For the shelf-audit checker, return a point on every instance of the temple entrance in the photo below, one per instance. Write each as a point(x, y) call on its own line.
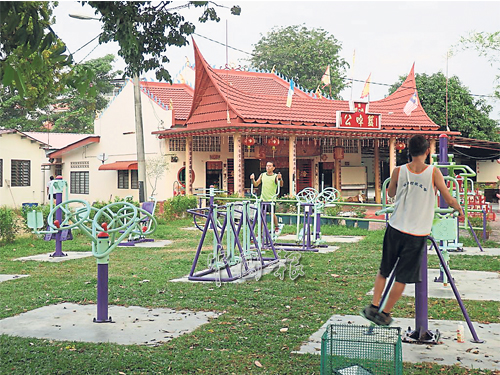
point(325, 175)
point(213, 175)
point(304, 176)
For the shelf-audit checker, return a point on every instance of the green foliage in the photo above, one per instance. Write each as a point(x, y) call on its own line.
point(286, 207)
point(8, 228)
point(34, 110)
point(44, 209)
point(175, 208)
point(302, 54)
point(145, 31)
point(465, 113)
point(30, 48)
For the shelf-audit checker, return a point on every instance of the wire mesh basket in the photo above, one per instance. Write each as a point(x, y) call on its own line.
point(348, 349)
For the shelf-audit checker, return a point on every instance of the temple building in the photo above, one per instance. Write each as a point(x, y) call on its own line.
point(239, 120)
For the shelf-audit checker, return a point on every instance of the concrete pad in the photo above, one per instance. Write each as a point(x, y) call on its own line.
point(329, 249)
point(236, 270)
point(476, 251)
point(11, 277)
point(48, 258)
point(329, 239)
point(472, 285)
point(448, 352)
point(155, 243)
point(190, 228)
point(133, 325)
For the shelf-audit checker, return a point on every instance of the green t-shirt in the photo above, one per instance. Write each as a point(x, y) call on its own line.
point(269, 186)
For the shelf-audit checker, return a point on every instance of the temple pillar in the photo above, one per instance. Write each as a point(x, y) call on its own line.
point(292, 164)
point(238, 165)
point(189, 165)
point(376, 169)
point(392, 154)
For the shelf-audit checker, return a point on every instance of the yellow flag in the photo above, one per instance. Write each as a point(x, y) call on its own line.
point(366, 89)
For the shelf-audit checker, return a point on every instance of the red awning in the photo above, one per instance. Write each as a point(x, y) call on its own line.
point(119, 166)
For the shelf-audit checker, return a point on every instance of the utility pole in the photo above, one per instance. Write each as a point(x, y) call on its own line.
point(139, 138)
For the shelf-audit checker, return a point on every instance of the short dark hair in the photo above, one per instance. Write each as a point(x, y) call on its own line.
point(272, 162)
point(418, 145)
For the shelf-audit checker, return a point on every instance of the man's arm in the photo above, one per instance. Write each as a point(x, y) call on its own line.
point(279, 178)
point(445, 193)
point(256, 182)
point(393, 184)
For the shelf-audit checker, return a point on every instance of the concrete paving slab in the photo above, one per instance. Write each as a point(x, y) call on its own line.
point(48, 258)
point(133, 325)
point(190, 228)
point(472, 285)
point(476, 251)
point(11, 277)
point(329, 239)
point(449, 352)
point(156, 243)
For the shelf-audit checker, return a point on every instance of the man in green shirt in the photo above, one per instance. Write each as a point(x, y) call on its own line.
point(269, 182)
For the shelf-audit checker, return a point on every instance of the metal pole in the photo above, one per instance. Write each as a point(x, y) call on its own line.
point(139, 136)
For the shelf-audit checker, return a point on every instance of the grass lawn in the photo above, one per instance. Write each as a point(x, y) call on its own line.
point(245, 339)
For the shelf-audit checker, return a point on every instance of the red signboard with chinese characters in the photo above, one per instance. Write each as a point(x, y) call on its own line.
point(358, 120)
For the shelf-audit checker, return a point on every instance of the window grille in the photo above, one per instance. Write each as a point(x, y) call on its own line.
point(350, 146)
point(122, 179)
point(327, 149)
point(79, 183)
point(206, 143)
point(231, 143)
point(79, 165)
point(58, 170)
point(134, 179)
point(20, 173)
point(177, 144)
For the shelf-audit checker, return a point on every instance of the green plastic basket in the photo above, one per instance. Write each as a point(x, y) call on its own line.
point(348, 349)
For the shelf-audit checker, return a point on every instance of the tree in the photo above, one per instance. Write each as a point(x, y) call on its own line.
point(78, 112)
point(143, 31)
point(488, 45)
point(303, 55)
point(466, 114)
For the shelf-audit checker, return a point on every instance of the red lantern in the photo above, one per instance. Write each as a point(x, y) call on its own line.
point(400, 146)
point(249, 142)
point(273, 142)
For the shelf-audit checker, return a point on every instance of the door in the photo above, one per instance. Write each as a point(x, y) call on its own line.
point(304, 174)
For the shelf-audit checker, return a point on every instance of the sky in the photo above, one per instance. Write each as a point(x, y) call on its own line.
point(388, 37)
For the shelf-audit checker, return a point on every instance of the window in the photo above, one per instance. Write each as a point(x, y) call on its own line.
point(122, 179)
point(350, 146)
point(79, 165)
point(177, 144)
point(206, 143)
point(134, 177)
point(1, 172)
point(79, 183)
point(20, 173)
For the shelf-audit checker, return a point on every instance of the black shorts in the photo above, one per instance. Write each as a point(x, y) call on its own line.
point(409, 249)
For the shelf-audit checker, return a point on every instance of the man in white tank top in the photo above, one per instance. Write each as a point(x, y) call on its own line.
point(414, 185)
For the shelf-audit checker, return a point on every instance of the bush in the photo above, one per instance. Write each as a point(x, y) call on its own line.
point(44, 209)
point(100, 204)
point(175, 208)
point(287, 207)
point(8, 229)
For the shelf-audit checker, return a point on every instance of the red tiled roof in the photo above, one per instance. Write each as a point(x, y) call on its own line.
point(259, 99)
point(180, 93)
point(57, 140)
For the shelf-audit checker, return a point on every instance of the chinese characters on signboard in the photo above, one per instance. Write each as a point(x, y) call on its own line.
point(358, 120)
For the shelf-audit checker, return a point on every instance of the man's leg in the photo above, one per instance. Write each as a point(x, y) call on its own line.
point(394, 296)
point(378, 289)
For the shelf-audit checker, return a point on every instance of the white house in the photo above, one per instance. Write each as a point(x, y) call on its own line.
point(22, 175)
point(104, 165)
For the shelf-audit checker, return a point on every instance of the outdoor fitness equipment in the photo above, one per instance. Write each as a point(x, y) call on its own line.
point(312, 204)
point(120, 217)
point(142, 225)
point(56, 189)
point(448, 167)
point(421, 333)
point(238, 220)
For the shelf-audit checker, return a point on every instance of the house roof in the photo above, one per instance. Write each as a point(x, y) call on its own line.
point(73, 146)
point(22, 134)
point(162, 92)
point(257, 101)
point(57, 140)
